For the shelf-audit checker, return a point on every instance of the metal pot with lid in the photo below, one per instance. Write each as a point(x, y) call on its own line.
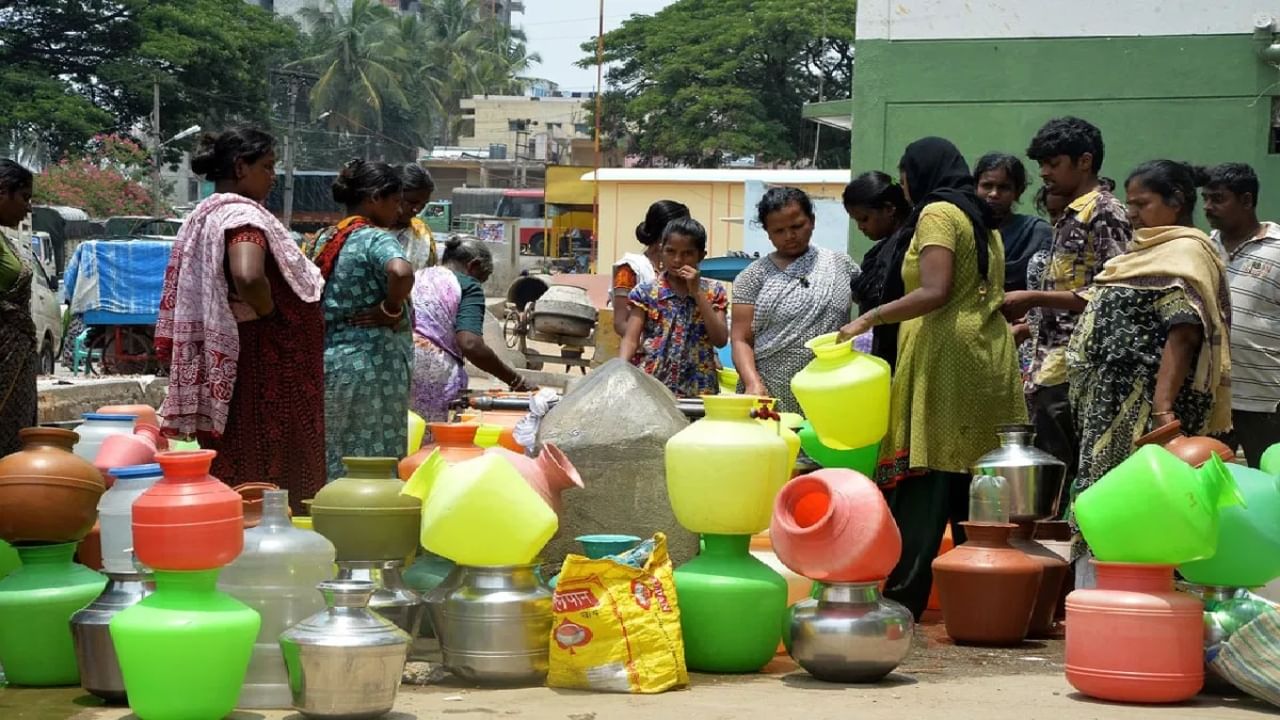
point(1034, 477)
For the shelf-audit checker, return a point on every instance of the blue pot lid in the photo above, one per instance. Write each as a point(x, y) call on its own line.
point(107, 417)
point(135, 471)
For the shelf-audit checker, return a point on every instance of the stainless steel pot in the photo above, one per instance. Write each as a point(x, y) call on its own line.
point(95, 653)
point(849, 633)
point(1034, 477)
point(493, 624)
point(392, 597)
point(345, 662)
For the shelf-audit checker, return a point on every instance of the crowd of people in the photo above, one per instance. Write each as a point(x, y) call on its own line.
point(1107, 321)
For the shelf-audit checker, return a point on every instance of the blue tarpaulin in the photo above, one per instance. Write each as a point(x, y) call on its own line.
point(121, 277)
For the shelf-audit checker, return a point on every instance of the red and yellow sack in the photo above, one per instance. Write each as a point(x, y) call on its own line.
point(617, 627)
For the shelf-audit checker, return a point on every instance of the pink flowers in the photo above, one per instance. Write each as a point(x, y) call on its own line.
point(105, 181)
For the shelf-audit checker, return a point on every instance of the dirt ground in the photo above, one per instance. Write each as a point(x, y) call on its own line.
point(938, 680)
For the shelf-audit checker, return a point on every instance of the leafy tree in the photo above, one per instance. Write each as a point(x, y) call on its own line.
point(702, 80)
point(74, 68)
point(106, 180)
point(399, 81)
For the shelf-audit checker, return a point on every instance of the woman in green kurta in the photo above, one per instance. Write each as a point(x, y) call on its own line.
point(957, 372)
point(368, 348)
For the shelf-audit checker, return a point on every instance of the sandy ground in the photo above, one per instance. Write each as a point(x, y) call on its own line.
point(938, 680)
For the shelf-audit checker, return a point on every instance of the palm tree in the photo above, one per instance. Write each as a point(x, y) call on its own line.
point(357, 57)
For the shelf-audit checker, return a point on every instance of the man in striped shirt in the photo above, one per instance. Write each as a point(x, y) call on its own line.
point(1253, 263)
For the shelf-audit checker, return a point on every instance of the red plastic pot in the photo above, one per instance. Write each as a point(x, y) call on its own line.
point(834, 526)
point(189, 520)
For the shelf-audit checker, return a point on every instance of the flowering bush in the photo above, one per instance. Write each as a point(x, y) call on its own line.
point(106, 180)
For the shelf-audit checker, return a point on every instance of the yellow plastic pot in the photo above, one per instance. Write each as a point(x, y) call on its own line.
point(480, 511)
point(417, 429)
point(728, 378)
point(724, 470)
point(844, 394)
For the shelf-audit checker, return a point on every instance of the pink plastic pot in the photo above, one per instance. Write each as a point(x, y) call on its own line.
point(549, 474)
point(124, 450)
point(834, 526)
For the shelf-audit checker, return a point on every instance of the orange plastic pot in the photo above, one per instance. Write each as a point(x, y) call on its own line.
point(947, 544)
point(834, 526)
point(507, 419)
point(456, 442)
point(1134, 638)
point(189, 520)
point(143, 413)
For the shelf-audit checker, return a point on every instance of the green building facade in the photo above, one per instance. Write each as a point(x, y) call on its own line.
point(1183, 80)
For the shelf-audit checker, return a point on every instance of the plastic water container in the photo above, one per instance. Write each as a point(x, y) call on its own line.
point(276, 575)
point(988, 499)
point(115, 514)
point(96, 428)
point(1155, 508)
point(480, 511)
point(835, 384)
point(417, 429)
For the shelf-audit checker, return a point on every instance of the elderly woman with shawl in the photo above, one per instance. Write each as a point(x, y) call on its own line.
point(956, 377)
point(1152, 344)
point(448, 328)
point(241, 326)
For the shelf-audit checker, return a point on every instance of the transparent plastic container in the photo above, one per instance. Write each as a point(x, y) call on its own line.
point(115, 514)
point(276, 575)
point(989, 499)
point(98, 427)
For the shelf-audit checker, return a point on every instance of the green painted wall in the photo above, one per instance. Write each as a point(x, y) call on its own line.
point(1204, 99)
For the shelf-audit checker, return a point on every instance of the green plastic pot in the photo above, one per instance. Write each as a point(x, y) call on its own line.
point(731, 607)
point(1248, 553)
point(184, 649)
point(1153, 508)
point(427, 571)
point(1270, 461)
point(37, 601)
point(862, 460)
point(8, 559)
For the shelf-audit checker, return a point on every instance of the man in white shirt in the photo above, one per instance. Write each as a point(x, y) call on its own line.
point(1253, 263)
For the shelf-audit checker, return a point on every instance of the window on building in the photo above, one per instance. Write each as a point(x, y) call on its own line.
point(554, 125)
point(1274, 148)
point(517, 125)
point(582, 128)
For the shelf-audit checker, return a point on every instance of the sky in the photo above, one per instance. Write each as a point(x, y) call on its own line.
point(557, 28)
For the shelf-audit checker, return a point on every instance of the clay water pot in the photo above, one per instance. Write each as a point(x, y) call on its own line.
point(549, 474)
point(1191, 449)
point(119, 451)
point(988, 587)
point(144, 413)
point(1055, 536)
point(251, 494)
point(47, 493)
point(89, 551)
point(189, 520)
point(834, 526)
point(456, 442)
point(1055, 574)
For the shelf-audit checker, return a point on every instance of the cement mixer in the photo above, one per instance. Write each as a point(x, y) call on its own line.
point(560, 315)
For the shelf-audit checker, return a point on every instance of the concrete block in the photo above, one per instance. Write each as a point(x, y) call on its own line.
point(614, 426)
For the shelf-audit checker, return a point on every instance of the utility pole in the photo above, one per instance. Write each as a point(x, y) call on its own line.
point(289, 153)
point(156, 148)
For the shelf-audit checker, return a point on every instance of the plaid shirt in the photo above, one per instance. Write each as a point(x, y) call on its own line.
point(1094, 229)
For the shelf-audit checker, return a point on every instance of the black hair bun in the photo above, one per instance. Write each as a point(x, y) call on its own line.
point(205, 160)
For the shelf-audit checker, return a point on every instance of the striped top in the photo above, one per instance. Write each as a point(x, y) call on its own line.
point(1254, 269)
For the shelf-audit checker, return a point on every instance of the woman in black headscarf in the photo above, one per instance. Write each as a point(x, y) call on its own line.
point(957, 371)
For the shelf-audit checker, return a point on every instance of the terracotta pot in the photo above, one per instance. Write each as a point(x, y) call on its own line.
point(834, 526)
point(89, 551)
point(48, 494)
point(189, 520)
point(1191, 449)
point(144, 413)
point(1055, 574)
point(456, 441)
point(119, 451)
point(1055, 535)
point(549, 474)
point(251, 495)
point(988, 588)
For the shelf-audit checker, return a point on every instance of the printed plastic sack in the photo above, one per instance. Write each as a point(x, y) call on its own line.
point(617, 623)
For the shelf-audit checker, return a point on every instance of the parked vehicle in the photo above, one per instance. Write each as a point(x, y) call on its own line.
point(46, 307)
